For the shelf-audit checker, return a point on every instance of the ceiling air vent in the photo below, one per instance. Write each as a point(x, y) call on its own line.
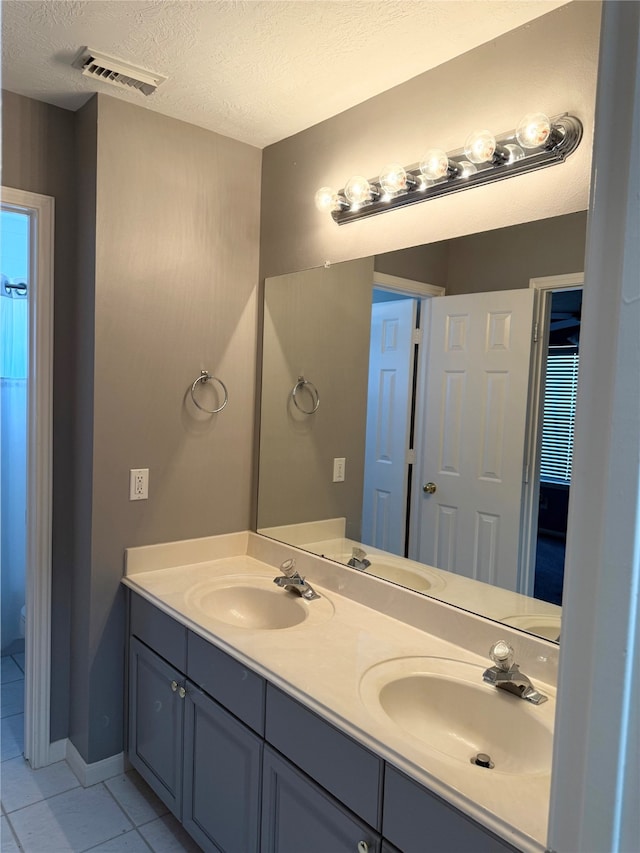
point(109, 69)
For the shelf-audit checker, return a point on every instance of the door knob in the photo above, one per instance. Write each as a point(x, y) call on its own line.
point(429, 488)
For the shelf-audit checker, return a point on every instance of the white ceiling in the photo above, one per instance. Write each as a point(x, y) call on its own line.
point(254, 70)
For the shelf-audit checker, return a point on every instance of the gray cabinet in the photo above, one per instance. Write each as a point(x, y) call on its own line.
point(156, 715)
point(344, 767)
point(222, 768)
point(246, 768)
point(415, 820)
point(299, 815)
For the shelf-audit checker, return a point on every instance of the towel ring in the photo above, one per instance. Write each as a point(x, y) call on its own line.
point(302, 383)
point(205, 376)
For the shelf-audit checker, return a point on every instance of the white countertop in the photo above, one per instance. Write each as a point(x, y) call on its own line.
point(322, 661)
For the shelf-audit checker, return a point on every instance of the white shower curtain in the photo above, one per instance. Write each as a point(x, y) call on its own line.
point(14, 318)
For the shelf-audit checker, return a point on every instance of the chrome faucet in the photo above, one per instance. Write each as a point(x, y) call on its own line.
point(507, 676)
point(358, 560)
point(292, 581)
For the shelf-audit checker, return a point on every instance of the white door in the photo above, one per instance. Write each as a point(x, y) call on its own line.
point(474, 444)
point(386, 467)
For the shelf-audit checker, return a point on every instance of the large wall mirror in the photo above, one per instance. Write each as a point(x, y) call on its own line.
point(417, 416)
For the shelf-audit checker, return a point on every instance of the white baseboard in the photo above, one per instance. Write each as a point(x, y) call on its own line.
point(57, 751)
point(98, 771)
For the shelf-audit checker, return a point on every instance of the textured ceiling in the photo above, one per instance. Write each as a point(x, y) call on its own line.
point(254, 70)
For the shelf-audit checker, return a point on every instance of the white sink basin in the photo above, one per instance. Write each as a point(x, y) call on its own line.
point(421, 579)
point(444, 706)
point(255, 603)
point(544, 625)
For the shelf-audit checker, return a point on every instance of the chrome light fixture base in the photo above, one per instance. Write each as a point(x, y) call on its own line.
point(564, 138)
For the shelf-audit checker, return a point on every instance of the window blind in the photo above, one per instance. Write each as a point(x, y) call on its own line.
point(559, 415)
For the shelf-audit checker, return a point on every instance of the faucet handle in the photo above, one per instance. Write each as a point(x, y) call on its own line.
point(288, 568)
point(358, 553)
point(501, 653)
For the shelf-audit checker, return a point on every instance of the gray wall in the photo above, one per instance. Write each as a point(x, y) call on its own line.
point(316, 324)
point(176, 272)
point(86, 187)
point(550, 64)
point(508, 258)
point(167, 266)
point(428, 263)
point(503, 259)
point(38, 157)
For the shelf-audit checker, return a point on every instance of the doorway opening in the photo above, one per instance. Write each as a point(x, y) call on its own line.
point(398, 314)
point(556, 451)
point(395, 317)
point(14, 367)
point(26, 349)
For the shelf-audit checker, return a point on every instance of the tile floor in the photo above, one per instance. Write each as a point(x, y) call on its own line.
point(47, 810)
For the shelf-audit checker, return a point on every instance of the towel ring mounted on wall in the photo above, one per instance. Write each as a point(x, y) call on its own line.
point(313, 391)
point(205, 376)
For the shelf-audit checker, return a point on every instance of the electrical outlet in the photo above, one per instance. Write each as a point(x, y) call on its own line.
point(339, 465)
point(138, 484)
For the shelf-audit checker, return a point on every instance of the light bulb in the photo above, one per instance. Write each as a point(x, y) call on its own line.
point(533, 130)
point(466, 169)
point(435, 164)
point(327, 199)
point(480, 146)
point(358, 190)
point(515, 152)
point(393, 178)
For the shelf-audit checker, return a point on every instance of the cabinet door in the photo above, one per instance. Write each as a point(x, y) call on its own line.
point(156, 713)
point(222, 777)
point(297, 815)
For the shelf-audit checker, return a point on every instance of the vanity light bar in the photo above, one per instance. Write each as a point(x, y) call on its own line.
point(537, 142)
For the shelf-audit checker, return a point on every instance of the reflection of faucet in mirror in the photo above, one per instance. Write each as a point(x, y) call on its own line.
point(293, 582)
point(507, 676)
point(464, 424)
point(358, 560)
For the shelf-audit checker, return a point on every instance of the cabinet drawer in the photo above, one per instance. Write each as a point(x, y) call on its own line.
point(345, 768)
point(297, 815)
point(418, 821)
point(162, 633)
point(229, 682)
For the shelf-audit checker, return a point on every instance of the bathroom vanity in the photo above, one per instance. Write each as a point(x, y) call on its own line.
point(255, 715)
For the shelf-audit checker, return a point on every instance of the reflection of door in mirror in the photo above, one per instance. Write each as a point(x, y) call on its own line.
point(389, 411)
point(473, 435)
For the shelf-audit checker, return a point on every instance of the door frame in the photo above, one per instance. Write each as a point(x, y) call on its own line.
point(37, 729)
point(423, 292)
point(544, 287)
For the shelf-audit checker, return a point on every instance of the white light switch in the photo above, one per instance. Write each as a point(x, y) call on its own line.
point(339, 465)
point(138, 484)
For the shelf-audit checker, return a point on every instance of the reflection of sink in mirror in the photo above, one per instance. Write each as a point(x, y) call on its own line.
point(541, 624)
point(445, 706)
point(254, 603)
point(421, 579)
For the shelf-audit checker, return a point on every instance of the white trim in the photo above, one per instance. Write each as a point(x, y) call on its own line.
point(531, 495)
point(595, 784)
point(98, 771)
point(558, 282)
point(39, 469)
point(406, 285)
point(57, 751)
